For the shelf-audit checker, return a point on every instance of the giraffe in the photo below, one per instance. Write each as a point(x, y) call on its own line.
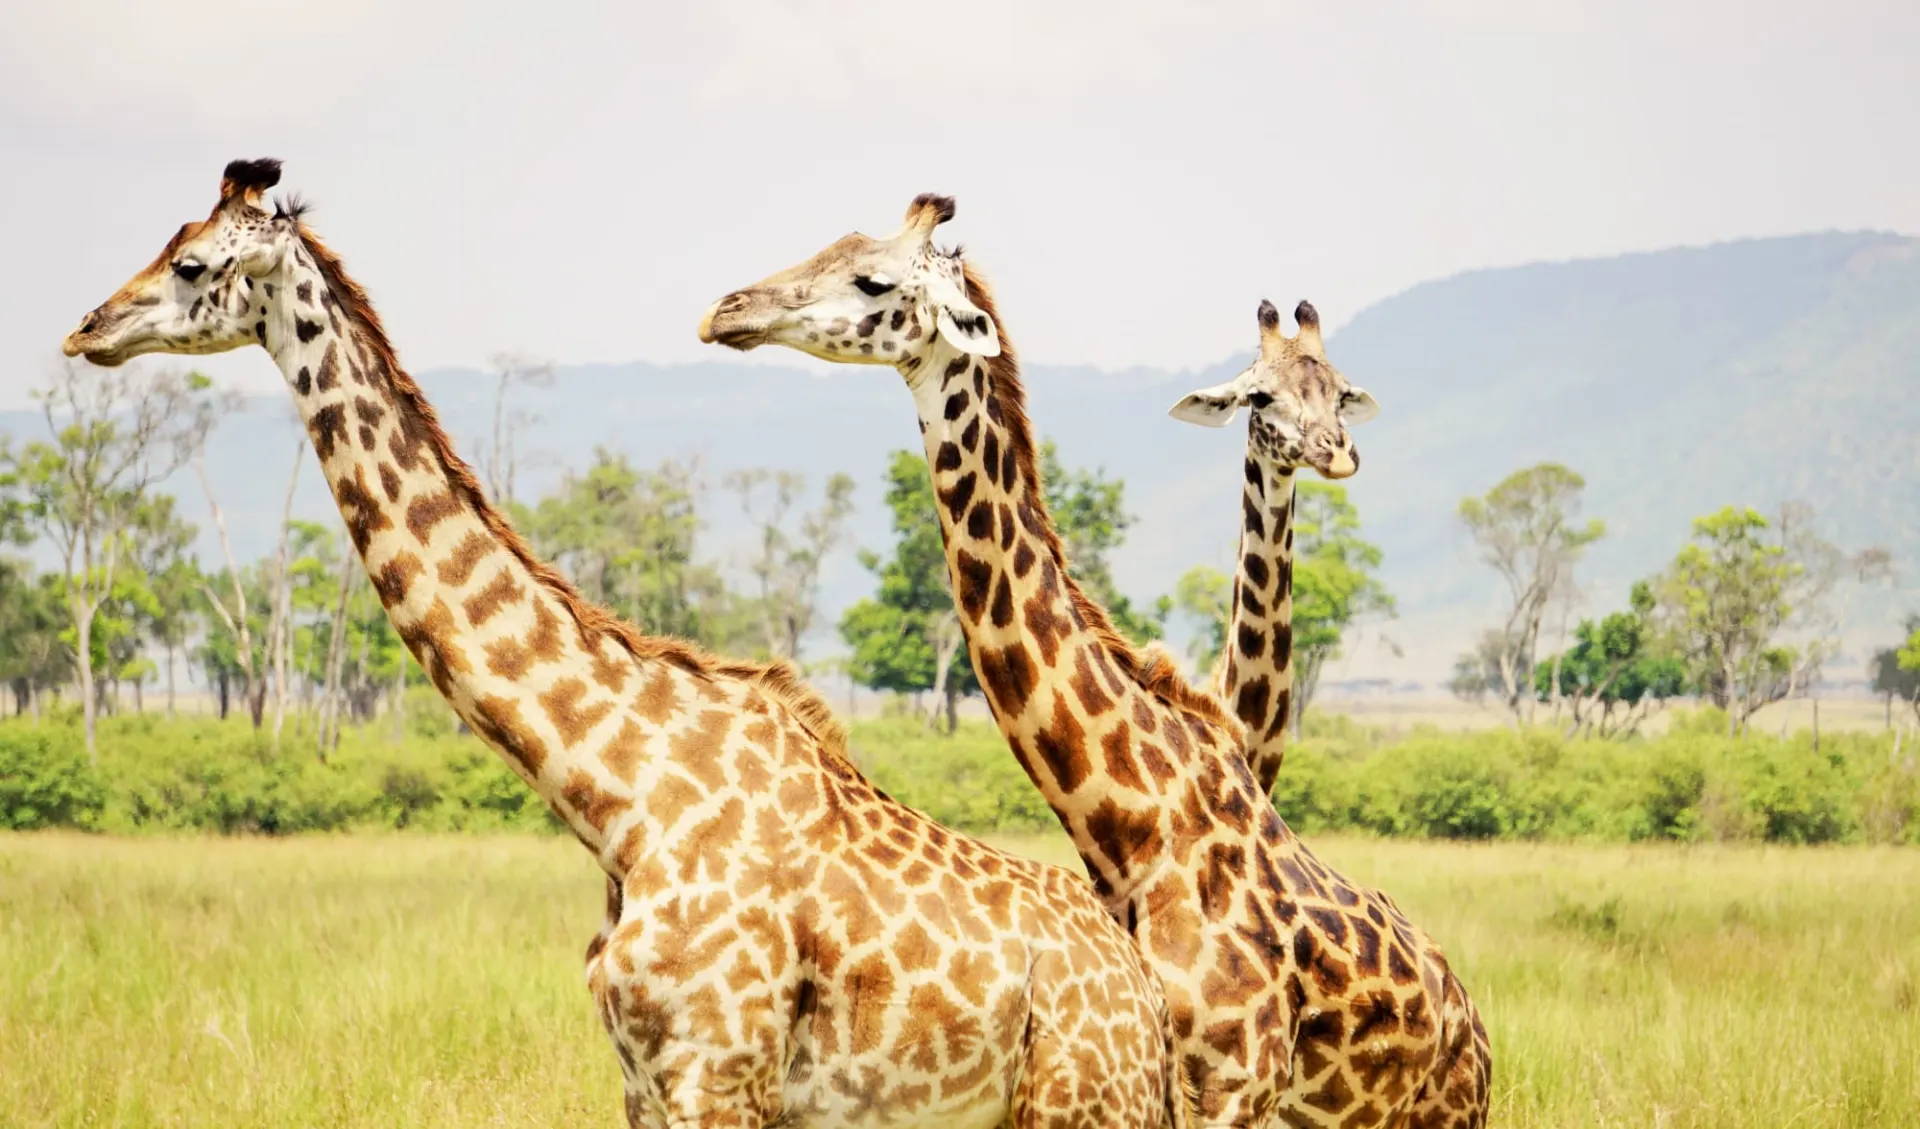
point(784, 944)
point(1301, 406)
point(1298, 997)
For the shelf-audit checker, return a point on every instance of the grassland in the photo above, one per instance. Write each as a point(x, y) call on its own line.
point(425, 980)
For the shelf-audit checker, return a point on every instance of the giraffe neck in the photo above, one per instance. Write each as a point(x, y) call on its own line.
point(1121, 748)
point(1256, 677)
point(570, 703)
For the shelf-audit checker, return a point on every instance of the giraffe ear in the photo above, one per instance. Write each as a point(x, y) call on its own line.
point(962, 324)
point(1211, 407)
point(1358, 406)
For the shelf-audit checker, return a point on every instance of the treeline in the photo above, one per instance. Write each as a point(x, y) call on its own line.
point(1692, 783)
point(1748, 613)
point(297, 642)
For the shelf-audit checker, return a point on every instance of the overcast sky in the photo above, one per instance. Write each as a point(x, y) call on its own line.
point(580, 180)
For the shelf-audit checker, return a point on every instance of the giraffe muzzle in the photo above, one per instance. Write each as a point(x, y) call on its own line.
point(724, 324)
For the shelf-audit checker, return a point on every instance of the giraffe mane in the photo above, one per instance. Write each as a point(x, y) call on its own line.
point(1151, 667)
point(780, 679)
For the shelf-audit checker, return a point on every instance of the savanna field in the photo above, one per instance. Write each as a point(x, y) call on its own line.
point(155, 973)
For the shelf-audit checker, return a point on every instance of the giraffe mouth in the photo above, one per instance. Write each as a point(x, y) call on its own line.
point(742, 338)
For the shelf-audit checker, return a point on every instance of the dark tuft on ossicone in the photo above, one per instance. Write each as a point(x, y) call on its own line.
point(943, 203)
point(291, 207)
point(1269, 315)
point(1305, 314)
point(258, 175)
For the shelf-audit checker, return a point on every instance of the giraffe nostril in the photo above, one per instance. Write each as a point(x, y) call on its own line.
point(91, 322)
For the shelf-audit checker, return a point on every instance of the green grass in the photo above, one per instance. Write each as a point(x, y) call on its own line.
point(427, 980)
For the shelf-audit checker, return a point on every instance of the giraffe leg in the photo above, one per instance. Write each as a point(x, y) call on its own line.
point(1456, 1096)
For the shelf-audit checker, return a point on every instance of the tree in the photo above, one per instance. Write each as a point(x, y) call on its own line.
point(1528, 529)
point(1613, 676)
point(906, 637)
point(501, 457)
point(1334, 583)
point(162, 544)
point(1819, 593)
point(1090, 512)
point(32, 657)
point(114, 433)
point(1204, 596)
point(1721, 605)
point(627, 537)
point(786, 565)
point(1896, 672)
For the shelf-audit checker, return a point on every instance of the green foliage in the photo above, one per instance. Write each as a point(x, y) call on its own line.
point(892, 633)
point(966, 780)
point(1090, 512)
point(1691, 784)
point(1204, 595)
point(1612, 676)
point(626, 536)
point(1528, 530)
point(1334, 581)
point(1721, 605)
point(897, 634)
point(223, 777)
point(45, 780)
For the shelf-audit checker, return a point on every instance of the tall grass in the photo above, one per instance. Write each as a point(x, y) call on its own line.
point(436, 980)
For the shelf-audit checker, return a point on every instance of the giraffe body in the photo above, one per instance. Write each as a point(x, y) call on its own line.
point(1299, 998)
point(784, 944)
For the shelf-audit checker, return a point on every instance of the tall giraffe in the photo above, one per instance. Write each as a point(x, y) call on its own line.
point(1301, 406)
point(784, 944)
point(1297, 995)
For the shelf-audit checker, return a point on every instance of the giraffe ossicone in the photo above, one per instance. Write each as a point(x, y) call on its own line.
point(784, 944)
point(1298, 997)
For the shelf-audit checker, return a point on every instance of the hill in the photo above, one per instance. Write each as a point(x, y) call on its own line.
point(1677, 381)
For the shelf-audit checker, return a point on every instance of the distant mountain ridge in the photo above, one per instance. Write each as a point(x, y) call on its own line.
point(1677, 381)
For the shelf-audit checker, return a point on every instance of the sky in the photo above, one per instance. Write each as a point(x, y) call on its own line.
point(580, 180)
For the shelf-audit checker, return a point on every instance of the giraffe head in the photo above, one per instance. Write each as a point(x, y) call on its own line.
point(1301, 404)
point(864, 300)
point(206, 291)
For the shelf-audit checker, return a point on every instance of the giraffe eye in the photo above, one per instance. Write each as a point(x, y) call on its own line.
point(1259, 400)
point(189, 270)
point(870, 286)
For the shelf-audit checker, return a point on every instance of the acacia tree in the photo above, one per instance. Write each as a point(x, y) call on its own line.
point(1528, 528)
point(1819, 594)
point(1721, 606)
point(114, 433)
point(785, 564)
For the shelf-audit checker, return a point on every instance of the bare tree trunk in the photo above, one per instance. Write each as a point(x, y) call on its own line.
point(169, 679)
point(336, 658)
point(83, 664)
point(946, 641)
point(236, 622)
point(282, 596)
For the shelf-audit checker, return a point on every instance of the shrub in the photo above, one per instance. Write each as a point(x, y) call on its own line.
point(45, 780)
